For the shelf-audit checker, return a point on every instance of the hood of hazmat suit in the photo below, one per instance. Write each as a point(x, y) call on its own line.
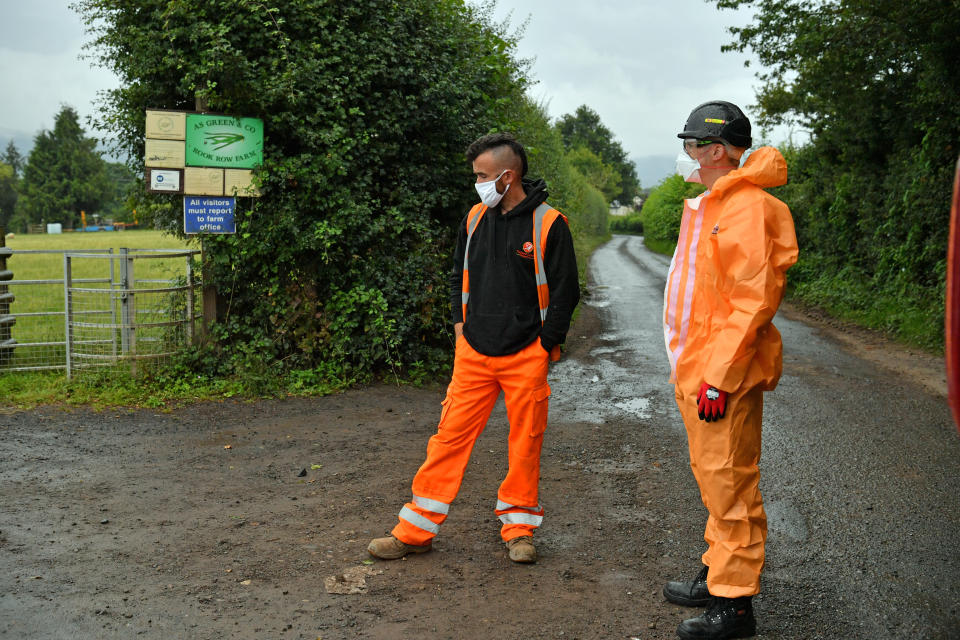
point(727, 278)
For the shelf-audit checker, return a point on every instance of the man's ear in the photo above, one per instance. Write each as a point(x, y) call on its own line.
point(720, 155)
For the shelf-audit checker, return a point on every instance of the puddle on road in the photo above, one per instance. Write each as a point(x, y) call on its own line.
point(598, 297)
point(602, 391)
point(639, 407)
point(598, 303)
point(603, 350)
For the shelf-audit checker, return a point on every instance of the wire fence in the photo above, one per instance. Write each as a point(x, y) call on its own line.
point(127, 311)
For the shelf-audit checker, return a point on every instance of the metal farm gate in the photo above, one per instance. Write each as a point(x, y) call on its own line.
point(126, 311)
point(35, 336)
point(133, 321)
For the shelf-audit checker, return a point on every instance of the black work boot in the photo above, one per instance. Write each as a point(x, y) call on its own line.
point(689, 594)
point(724, 618)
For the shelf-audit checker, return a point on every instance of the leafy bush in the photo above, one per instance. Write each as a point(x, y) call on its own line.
point(882, 266)
point(663, 210)
point(588, 216)
point(630, 223)
point(599, 174)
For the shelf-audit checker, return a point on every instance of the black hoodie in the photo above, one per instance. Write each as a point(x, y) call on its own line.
point(503, 315)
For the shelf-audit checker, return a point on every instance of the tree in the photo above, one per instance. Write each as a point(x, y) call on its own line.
point(568, 190)
point(8, 194)
point(599, 174)
point(11, 163)
point(873, 82)
point(122, 182)
point(583, 128)
point(12, 157)
point(64, 175)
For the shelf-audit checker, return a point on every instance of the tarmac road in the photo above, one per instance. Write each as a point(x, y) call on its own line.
point(860, 468)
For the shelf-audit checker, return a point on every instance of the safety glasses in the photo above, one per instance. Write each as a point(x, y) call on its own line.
point(689, 144)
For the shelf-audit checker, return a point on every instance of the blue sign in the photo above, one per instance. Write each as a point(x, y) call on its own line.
point(208, 214)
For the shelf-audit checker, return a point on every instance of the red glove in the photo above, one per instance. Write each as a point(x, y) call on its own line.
point(711, 402)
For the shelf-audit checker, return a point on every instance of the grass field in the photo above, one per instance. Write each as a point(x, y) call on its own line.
point(49, 298)
point(135, 239)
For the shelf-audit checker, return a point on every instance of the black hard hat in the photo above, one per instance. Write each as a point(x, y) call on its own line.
point(718, 119)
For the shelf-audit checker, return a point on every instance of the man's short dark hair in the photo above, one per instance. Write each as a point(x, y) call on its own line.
point(494, 141)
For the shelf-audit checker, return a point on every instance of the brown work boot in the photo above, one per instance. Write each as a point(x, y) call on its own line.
point(522, 550)
point(390, 548)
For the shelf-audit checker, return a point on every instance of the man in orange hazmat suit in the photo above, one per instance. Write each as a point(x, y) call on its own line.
point(726, 280)
point(514, 286)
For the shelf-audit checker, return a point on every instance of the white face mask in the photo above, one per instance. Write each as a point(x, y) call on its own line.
point(488, 191)
point(688, 168)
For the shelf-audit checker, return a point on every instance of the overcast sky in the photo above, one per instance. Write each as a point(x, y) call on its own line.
point(641, 64)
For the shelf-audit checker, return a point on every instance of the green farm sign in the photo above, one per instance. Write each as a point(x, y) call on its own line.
point(222, 141)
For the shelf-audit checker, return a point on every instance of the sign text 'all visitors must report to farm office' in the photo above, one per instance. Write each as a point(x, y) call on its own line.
point(208, 215)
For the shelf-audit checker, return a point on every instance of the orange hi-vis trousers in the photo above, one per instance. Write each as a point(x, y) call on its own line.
point(724, 456)
point(476, 385)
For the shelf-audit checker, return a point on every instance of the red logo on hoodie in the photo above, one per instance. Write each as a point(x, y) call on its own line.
point(527, 251)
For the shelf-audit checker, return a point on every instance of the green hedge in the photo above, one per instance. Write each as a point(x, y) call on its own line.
point(873, 248)
point(630, 223)
point(662, 211)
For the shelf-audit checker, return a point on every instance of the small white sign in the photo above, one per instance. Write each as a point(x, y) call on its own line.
point(54, 227)
point(162, 180)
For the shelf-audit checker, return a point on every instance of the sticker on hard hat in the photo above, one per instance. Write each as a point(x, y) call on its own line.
point(715, 121)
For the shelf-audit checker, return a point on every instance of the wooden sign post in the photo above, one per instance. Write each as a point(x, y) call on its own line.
point(208, 159)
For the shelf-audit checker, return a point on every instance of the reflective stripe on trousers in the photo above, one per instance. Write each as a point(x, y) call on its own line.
point(516, 514)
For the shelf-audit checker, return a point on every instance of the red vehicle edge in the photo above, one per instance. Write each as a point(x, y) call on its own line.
point(953, 304)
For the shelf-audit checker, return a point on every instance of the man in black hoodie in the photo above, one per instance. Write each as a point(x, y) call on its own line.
point(513, 289)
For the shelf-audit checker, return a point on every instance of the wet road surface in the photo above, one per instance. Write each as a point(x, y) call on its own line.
point(860, 469)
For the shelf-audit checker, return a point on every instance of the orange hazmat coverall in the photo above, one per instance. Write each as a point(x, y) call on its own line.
point(726, 280)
